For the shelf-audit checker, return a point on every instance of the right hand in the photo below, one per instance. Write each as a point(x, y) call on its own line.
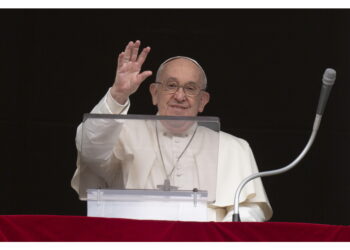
point(128, 77)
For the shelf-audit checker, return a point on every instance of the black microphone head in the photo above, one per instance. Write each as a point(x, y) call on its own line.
point(329, 76)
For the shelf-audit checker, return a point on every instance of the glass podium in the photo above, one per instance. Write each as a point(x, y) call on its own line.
point(147, 166)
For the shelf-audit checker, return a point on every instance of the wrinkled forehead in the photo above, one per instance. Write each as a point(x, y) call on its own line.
point(178, 66)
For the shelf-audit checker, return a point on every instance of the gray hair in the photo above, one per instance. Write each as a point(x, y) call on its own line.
point(161, 67)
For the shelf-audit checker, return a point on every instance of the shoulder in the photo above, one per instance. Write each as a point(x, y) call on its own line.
point(226, 140)
point(231, 141)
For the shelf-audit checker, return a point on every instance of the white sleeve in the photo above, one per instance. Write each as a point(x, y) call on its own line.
point(110, 106)
point(100, 131)
point(100, 134)
point(98, 137)
point(248, 213)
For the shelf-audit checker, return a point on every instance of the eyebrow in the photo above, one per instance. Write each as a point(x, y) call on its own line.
point(175, 79)
point(172, 79)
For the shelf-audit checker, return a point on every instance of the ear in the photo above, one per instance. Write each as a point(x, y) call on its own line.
point(153, 89)
point(204, 99)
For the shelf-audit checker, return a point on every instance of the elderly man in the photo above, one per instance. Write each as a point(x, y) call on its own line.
point(179, 90)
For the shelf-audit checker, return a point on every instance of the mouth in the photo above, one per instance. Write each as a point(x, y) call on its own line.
point(178, 107)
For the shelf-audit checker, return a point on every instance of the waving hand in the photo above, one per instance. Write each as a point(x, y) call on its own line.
point(129, 76)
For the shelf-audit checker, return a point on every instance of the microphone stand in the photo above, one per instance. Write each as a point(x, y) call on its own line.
point(328, 81)
point(235, 216)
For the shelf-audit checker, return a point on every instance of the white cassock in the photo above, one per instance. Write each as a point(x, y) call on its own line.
point(116, 170)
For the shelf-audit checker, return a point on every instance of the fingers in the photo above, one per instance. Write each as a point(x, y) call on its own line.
point(144, 75)
point(128, 51)
point(135, 51)
point(130, 54)
point(120, 60)
point(131, 51)
point(143, 55)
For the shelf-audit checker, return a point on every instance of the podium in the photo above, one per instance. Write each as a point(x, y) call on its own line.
point(147, 167)
point(148, 204)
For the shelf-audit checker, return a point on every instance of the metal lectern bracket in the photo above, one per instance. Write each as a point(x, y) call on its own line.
point(99, 197)
point(195, 194)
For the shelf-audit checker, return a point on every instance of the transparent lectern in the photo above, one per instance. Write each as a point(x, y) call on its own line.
point(148, 167)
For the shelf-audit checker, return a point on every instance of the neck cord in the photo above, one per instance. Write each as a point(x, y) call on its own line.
point(178, 159)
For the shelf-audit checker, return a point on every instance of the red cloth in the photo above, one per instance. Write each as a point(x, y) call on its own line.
point(76, 228)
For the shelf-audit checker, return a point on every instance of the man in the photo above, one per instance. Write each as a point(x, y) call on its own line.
point(179, 90)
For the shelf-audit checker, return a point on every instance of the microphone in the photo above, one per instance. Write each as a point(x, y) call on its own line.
point(328, 82)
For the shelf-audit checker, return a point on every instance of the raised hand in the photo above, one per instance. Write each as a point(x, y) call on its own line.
point(128, 77)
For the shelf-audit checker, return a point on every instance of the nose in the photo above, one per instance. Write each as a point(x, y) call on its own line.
point(180, 95)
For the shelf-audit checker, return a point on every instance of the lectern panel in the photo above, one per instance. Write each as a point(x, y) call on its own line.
point(166, 153)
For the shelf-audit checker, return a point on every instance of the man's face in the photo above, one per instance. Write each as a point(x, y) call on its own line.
point(180, 71)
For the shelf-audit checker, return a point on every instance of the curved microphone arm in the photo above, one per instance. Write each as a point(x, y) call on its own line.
point(328, 80)
point(317, 122)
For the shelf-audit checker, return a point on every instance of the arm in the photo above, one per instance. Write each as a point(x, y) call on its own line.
point(128, 79)
point(98, 135)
